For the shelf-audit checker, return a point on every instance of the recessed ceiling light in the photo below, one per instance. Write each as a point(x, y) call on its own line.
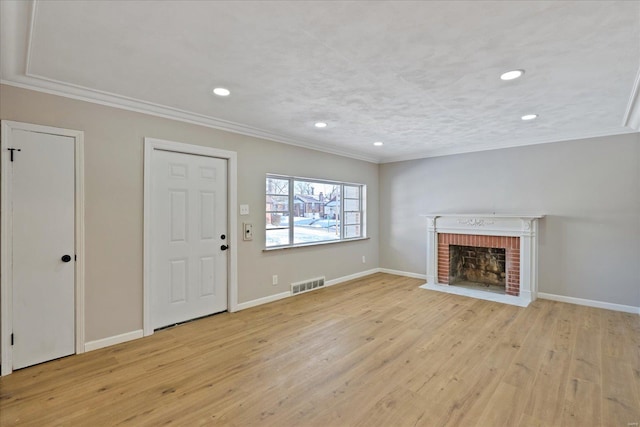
point(220, 91)
point(529, 117)
point(378, 144)
point(320, 125)
point(511, 75)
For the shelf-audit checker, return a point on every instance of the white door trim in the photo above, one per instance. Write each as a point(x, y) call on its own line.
point(151, 144)
point(6, 237)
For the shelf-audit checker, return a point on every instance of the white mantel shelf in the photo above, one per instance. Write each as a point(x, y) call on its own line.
point(482, 215)
point(524, 226)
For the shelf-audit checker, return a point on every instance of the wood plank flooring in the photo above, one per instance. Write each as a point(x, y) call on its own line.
point(377, 351)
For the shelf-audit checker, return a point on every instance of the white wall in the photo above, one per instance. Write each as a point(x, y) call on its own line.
point(588, 189)
point(114, 204)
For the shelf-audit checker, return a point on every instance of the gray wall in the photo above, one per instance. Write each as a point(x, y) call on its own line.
point(114, 203)
point(588, 189)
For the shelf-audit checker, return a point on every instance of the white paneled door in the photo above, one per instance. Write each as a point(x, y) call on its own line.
point(42, 177)
point(188, 250)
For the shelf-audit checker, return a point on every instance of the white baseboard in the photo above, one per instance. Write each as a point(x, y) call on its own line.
point(128, 336)
point(263, 300)
point(403, 273)
point(590, 303)
point(276, 297)
point(116, 339)
point(351, 277)
point(553, 297)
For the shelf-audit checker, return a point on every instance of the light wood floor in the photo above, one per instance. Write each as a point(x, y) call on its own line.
point(377, 351)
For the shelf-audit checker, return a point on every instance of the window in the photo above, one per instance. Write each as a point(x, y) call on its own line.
point(302, 211)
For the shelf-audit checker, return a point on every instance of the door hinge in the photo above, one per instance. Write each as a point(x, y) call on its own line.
point(12, 150)
point(75, 257)
point(11, 338)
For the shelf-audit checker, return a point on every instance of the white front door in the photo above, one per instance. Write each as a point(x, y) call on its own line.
point(188, 237)
point(43, 219)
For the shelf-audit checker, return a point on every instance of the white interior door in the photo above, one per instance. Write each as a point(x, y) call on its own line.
point(43, 219)
point(189, 237)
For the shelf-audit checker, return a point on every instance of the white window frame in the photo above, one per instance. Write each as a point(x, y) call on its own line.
point(291, 195)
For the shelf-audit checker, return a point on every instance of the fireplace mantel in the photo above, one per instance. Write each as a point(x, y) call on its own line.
point(524, 226)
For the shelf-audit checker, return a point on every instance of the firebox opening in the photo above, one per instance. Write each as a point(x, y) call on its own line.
point(477, 267)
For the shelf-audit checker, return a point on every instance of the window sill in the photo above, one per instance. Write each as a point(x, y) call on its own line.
point(307, 245)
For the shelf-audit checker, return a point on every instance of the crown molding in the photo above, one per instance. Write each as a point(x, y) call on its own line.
point(52, 87)
point(489, 147)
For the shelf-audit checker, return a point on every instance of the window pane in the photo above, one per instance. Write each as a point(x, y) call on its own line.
point(316, 209)
point(278, 203)
point(277, 237)
point(277, 219)
point(351, 231)
point(351, 205)
point(277, 186)
point(332, 209)
point(351, 218)
point(351, 192)
point(315, 230)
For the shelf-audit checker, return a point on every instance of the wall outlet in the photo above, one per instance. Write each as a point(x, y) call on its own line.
point(244, 209)
point(274, 280)
point(364, 260)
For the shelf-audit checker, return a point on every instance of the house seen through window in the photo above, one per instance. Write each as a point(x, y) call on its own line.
point(301, 211)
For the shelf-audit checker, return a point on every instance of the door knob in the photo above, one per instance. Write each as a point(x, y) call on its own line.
point(66, 258)
point(224, 247)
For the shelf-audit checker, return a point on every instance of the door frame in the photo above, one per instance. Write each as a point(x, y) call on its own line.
point(6, 236)
point(151, 144)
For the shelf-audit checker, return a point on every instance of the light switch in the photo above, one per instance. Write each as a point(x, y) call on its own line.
point(244, 209)
point(248, 231)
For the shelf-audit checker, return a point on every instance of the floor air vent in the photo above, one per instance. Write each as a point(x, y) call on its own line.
point(307, 285)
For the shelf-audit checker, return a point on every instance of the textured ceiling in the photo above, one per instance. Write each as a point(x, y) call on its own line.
point(423, 77)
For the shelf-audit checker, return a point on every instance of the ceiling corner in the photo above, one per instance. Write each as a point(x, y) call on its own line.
point(632, 114)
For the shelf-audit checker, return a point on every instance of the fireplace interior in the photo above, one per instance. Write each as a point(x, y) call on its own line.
point(472, 266)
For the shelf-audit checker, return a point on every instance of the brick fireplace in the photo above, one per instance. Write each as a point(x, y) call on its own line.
point(498, 250)
point(511, 246)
